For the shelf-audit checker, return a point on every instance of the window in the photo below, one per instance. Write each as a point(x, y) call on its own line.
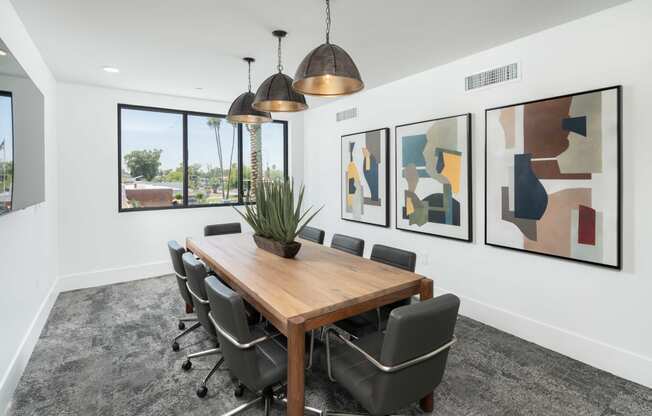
point(213, 156)
point(182, 159)
point(268, 160)
point(6, 152)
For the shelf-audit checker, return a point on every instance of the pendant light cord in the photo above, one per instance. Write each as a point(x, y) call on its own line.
point(249, 76)
point(280, 65)
point(328, 21)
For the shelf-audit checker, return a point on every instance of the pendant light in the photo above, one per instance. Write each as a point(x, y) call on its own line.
point(328, 70)
point(241, 110)
point(276, 92)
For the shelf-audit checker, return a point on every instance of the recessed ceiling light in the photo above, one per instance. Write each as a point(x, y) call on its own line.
point(199, 88)
point(111, 69)
point(3, 53)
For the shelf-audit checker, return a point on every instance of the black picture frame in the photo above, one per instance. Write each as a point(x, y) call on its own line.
point(185, 114)
point(469, 145)
point(618, 265)
point(387, 173)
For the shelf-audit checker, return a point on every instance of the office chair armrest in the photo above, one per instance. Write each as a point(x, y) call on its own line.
point(237, 343)
point(198, 298)
point(376, 363)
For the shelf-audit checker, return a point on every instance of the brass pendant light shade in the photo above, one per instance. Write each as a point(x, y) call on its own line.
point(328, 70)
point(276, 93)
point(241, 110)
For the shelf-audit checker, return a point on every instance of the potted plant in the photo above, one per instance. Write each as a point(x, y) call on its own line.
point(275, 219)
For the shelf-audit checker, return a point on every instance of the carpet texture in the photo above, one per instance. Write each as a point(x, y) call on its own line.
point(106, 351)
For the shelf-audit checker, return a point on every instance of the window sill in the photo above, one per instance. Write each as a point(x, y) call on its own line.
point(173, 208)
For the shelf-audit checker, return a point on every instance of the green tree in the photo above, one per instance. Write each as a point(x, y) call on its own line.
point(175, 175)
point(233, 179)
point(145, 163)
point(215, 123)
point(6, 176)
point(194, 175)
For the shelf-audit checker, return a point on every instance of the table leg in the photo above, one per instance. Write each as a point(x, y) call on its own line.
point(189, 308)
point(296, 366)
point(426, 403)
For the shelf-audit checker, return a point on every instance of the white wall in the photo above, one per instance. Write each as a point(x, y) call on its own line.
point(599, 316)
point(99, 245)
point(28, 253)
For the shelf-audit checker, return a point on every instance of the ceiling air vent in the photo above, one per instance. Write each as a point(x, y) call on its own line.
point(491, 77)
point(347, 114)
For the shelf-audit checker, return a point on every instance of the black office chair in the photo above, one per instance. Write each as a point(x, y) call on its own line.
point(403, 259)
point(353, 246)
point(348, 244)
point(176, 251)
point(312, 234)
point(196, 273)
point(388, 371)
point(230, 228)
point(219, 229)
point(376, 320)
point(256, 358)
point(396, 257)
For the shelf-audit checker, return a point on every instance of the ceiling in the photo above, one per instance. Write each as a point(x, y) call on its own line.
point(194, 47)
point(9, 65)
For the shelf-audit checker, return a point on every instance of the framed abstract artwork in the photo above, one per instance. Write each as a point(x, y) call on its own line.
point(365, 177)
point(552, 172)
point(433, 177)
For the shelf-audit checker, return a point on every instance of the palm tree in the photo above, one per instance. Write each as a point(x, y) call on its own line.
point(215, 124)
point(228, 180)
point(254, 144)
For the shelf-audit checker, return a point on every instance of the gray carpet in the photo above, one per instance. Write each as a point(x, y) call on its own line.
point(106, 351)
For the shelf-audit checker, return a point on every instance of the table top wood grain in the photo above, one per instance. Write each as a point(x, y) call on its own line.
point(319, 285)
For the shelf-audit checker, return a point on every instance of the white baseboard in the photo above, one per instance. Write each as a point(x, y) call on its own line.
point(19, 361)
point(615, 360)
point(110, 276)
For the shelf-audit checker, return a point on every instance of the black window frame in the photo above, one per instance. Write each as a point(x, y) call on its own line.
point(10, 94)
point(185, 114)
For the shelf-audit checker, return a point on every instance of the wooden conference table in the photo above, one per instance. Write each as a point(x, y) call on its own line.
point(318, 287)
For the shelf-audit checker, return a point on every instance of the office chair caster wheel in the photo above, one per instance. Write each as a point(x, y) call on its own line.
point(182, 326)
point(239, 391)
point(201, 392)
point(186, 365)
point(175, 346)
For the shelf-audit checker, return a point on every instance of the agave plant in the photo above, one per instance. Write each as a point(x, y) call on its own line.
point(274, 215)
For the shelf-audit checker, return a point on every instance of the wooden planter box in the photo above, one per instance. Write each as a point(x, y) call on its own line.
point(287, 251)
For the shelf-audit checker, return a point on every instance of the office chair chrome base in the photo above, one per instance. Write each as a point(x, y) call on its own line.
point(187, 365)
point(239, 390)
point(184, 319)
point(175, 344)
point(267, 397)
point(202, 390)
point(327, 413)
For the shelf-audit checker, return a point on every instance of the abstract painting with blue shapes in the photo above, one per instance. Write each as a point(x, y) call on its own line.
point(433, 191)
point(552, 169)
point(365, 177)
